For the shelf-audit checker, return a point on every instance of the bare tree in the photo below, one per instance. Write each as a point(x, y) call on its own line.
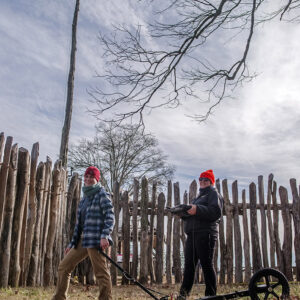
point(63, 155)
point(174, 58)
point(121, 153)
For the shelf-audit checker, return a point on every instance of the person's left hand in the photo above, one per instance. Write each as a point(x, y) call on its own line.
point(104, 244)
point(192, 211)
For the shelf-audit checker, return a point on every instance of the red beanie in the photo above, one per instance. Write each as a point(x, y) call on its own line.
point(93, 171)
point(208, 174)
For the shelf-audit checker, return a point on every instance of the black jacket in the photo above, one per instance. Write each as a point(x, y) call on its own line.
point(209, 210)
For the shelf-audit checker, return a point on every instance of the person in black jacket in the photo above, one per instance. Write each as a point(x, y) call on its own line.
point(201, 228)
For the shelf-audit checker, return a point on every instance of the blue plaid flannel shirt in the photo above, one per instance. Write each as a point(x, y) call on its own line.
point(99, 221)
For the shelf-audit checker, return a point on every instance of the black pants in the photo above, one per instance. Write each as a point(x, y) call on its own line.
point(199, 246)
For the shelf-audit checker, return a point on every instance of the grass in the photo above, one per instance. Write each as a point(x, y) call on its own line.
point(80, 292)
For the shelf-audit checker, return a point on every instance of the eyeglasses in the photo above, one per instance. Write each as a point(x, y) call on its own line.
point(203, 179)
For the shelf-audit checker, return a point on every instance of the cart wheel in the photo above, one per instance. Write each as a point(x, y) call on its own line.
point(268, 284)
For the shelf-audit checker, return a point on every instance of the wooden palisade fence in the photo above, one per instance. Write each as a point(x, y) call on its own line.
point(38, 213)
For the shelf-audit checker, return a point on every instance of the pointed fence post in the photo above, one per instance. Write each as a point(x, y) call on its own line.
point(256, 254)
point(160, 239)
point(176, 238)
point(169, 236)
point(246, 239)
point(5, 240)
point(238, 254)
point(135, 254)
point(144, 232)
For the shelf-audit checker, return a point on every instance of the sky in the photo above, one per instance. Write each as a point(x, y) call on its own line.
point(255, 133)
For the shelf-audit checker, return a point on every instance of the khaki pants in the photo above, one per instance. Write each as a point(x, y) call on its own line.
point(68, 264)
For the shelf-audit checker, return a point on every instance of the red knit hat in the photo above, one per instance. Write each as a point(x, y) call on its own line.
point(208, 174)
point(93, 171)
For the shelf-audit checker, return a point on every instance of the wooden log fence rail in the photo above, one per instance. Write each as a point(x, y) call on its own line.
point(38, 204)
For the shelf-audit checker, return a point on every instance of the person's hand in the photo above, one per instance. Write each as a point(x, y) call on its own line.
point(104, 244)
point(192, 211)
point(67, 250)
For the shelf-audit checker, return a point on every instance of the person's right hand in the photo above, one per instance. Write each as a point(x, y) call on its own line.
point(67, 250)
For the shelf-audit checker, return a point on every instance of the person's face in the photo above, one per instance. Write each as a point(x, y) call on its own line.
point(204, 182)
point(89, 180)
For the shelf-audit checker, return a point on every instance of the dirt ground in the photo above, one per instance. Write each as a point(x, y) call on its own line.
point(79, 292)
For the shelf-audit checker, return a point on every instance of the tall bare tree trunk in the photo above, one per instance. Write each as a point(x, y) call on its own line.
point(68, 114)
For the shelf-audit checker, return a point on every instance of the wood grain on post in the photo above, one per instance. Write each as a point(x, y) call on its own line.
point(69, 199)
point(193, 190)
point(62, 201)
point(287, 234)
point(169, 236)
point(144, 232)
point(33, 265)
point(222, 242)
point(126, 235)
point(256, 254)
point(115, 233)
point(261, 197)
point(2, 139)
point(8, 214)
point(176, 238)
point(32, 207)
point(229, 232)
point(160, 239)
point(296, 219)
point(270, 222)
point(182, 234)
point(151, 233)
point(22, 189)
point(246, 239)
point(238, 254)
point(44, 221)
point(279, 253)
point(54, 203)
point(3, 175)
point(135, 254)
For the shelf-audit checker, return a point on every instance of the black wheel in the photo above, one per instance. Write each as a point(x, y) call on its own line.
point(268, 284)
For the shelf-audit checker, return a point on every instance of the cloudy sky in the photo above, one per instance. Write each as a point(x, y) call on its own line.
point(256, 133)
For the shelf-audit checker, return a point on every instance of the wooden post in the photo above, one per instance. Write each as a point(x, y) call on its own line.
point(144, 232)
point(160, 239)
point(48, 269)
point(238, 254)
point(135, 254)
point(246, 239)
point(279, 253)
point(287, 233)
point(176, 238)
point(270, 222)
point(22, 189)
point(192, 190)
point(2, 139)
point(296, 219)
point(169, 236)
point(33, 265)
point(44, 221)
point(182, 234)
point(126, 235)
point(222, 243)
point(256, 254)
point(115, 233)
point(5, 241)
point(4, 174)
point(70, 196)
point(261, 197)
point(229, 233)
point(32, 206)
point(151, 235)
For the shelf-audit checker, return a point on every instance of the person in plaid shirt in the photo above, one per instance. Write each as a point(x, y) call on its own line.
point(95, 222)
